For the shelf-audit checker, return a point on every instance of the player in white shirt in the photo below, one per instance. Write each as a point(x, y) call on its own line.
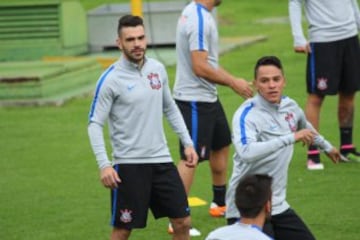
point(253, 200)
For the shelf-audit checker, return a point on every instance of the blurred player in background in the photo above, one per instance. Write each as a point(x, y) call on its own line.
point(197, 73)
point(333, 64)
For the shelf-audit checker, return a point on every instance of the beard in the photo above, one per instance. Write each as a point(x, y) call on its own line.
point(135, 57)
point(217, 3)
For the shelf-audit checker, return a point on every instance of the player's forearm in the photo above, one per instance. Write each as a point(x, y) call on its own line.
point(95, 132)
point(295, 22)
point(257, 151)
point(213, 75)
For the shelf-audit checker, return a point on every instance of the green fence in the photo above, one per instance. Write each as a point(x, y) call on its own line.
point(31, 29)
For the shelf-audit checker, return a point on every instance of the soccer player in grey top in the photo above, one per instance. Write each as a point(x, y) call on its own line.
point(133, 95)
point(197, 73)
point(253, 200)
point(265, 129)
point(333, 64)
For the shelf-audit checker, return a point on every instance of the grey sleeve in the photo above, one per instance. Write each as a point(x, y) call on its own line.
point(173, 114)
point(246, 143)
point(99, 113)
point(95, 132)
point(319, 140)
point(295, 15)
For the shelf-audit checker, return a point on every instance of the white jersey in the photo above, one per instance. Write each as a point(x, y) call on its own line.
point(328, 20)
point(263, 137)
point(238, 231)
point(196, 31)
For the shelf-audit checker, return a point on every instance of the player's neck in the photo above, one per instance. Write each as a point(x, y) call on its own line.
point(258, 221)
point(206, 3)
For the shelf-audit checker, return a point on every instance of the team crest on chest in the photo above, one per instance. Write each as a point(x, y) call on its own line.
point(154, 79)
point(290, 118)
point(322, 83)
point(125, 215)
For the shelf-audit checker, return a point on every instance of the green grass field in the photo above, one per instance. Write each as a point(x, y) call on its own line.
point(49, 184)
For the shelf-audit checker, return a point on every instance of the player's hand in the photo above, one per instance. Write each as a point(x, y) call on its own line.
point(303, 49)
point(306, 136)
point(334, 155)
point(109, 177)
point(191, 157)
point(242, 87)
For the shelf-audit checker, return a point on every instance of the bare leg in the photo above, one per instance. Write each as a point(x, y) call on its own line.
point(312, 112)
point(346, 121)
point(181, 228)
point(187, 175)
point(346, 110)
point(218, 164)
point(312, 109)
point(120, 234)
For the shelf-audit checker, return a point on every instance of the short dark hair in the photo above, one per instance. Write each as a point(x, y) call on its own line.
point(268, 60)
point(252, 192)
point(129, 21)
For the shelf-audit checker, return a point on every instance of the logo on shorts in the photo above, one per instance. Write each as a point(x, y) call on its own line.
point(322, 83)
point(154, 80)
point(125, 215)
point(290, 118)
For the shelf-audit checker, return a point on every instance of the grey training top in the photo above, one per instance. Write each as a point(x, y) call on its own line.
point(238, 231)
point(263, 137)
point(328, 20)
point(196, 31)
point(133, 101)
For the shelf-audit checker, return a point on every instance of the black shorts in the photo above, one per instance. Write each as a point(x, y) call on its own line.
point(144, 186)
point(334, 67)
point(207, 125)
point(287, 225)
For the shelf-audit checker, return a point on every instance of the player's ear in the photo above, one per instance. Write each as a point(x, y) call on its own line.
point(268, 206)
point(118, 43)
point(254, 84)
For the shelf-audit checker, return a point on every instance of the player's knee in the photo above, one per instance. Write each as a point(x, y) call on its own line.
point(120, 234)
point(181, 225)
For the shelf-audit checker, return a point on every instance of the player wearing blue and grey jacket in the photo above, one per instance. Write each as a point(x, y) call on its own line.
point(265, 129)
point(136, 98)
point(133, 95)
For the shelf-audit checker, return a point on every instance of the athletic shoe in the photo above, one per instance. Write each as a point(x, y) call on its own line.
point(217, 211)
point(193, 232)
point(344, 159)
point(311, 165)
point(353, 157)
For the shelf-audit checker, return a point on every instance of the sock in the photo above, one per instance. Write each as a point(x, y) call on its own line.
point(346, 135)
point(313, 154)
point(219, 195)
point(346, 140)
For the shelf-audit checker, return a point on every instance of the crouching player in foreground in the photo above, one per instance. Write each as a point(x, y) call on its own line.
point(253, 200)
point(265, 129)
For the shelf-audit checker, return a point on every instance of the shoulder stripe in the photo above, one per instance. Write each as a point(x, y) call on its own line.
point(242, 122)
point(200, 26)
point(100, 83)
